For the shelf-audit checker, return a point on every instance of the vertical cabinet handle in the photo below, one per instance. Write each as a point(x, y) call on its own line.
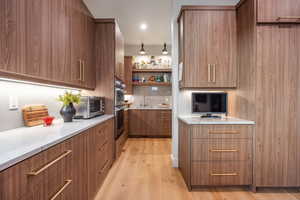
point(83, 70)
point(79, 79)
point(214, 72)
point(209, 72)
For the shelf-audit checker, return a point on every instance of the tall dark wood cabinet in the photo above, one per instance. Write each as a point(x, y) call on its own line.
point(269, 91)
point(109, 50)
point(128, 65)
point(207, 47)
point(47, 42)
point(119, 67)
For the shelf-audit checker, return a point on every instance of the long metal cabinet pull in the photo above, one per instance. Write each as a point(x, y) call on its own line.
point(79, 70)
point(223, 150)
point(209, 73)
point(214, 73)
point(67, 183)
point(36, 173)
point(224, 174)
point(83, 71)
point(224, 132)
point(288, 17)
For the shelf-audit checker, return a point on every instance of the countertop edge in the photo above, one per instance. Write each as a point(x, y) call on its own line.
point(241, 122)
point(13, 161)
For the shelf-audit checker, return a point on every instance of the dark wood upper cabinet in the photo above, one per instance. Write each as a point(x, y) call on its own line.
point(119, 71)
point(278, 11)
point(12, 36)
point(61, 41)
point(208, 47)
point(128, 74)
point(47, 41)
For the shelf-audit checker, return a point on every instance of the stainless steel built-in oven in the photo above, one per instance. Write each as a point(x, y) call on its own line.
point(119, 115)
point(119, 93)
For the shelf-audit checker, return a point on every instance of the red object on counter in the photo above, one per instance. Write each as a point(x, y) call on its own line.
point(48, 120)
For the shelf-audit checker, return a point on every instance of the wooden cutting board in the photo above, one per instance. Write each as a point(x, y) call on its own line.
point(34, 114)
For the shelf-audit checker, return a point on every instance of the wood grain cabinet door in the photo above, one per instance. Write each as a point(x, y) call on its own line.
point(278, 11)
point(12, 36)
point(196, 52)
point(89, 54)
point(119, 52)
point(61, 42)
point(209, 48)
point(128, 65)
point(78, 28)
point(277, 91)
point(222, 48)
point(37, 38)
point(80, 166)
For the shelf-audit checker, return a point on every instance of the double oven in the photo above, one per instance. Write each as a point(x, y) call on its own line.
point(119, 108)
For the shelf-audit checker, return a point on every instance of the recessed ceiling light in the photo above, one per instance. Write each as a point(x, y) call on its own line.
point(143, 26)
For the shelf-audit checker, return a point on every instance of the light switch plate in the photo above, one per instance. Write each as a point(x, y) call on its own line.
point(13, 103)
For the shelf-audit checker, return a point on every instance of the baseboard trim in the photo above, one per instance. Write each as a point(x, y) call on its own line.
point(174, 161)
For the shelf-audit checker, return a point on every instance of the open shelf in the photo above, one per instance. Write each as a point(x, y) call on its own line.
point(151, 84)
point(152, 70)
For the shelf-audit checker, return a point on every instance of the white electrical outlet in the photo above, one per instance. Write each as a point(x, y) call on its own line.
point(13, 103)
point(154, 88)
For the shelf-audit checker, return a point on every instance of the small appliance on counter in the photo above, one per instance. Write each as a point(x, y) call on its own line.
point(89, 107)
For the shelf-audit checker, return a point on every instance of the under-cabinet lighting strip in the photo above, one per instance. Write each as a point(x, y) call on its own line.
point(39, 84)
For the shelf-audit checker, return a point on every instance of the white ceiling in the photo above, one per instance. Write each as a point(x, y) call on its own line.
point(132, 13)
point(156, 14)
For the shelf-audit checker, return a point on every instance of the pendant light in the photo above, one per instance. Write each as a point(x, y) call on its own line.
point(165, 50)
point(142, 51)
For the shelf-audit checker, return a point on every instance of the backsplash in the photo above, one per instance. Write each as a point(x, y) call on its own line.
point(26, 94)
point(151, 96)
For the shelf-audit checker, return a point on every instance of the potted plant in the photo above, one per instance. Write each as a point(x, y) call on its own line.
point(68, 111)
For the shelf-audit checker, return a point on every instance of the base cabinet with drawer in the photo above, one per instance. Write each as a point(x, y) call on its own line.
point(215, 155)
point(150, 123)
point(71, 170)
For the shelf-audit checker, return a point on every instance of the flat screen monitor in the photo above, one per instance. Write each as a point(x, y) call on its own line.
point(209, 103)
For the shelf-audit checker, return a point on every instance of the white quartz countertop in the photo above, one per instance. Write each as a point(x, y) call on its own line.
point(19, 144)
point(197, 120)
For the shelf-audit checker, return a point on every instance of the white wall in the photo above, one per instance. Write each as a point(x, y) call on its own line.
point(152, 50)
point(181, 99)
point(26, 94)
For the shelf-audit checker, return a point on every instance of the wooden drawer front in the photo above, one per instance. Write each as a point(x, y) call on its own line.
point(51, 177)
point(221, 173)
point(42, 176)
point(102, 134)
point(102, 155)
point(120, 144)
point(222, 131)
point(221, 150)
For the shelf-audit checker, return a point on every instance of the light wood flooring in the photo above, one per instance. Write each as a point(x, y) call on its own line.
point(144, 172)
